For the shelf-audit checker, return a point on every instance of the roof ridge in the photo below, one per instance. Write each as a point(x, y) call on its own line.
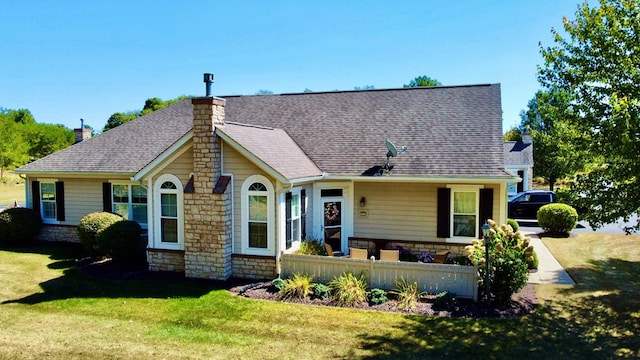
point(250, 125)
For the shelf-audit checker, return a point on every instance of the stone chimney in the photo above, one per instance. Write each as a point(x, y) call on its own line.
point(207, 246)
point(82, 134)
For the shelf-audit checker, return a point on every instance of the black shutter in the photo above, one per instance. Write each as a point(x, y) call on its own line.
point(303, 213)
point(289, 234)
point(520, 186)
point(444, 213)
point(486, 208)
point(106, 197)
point(60, 201)
point(35, 196)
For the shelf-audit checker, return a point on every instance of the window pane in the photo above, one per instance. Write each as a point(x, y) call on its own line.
point(258, 235)
point(258, 207)
point(257, 187)
point(295, 205)
point(332, 215)
point(48, 191)
point(464, 202)
point(49, 210)
point(121, 193)
point(140, 214)
point(138, 194)
point(122, 210)
point(168, 185)
point(169, 228)
point(296, 230)
point(169, 205)
point(464, 225)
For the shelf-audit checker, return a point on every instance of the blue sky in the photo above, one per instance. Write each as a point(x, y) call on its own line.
point(66, 60)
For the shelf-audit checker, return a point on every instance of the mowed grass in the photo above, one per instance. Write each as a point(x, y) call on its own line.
point(11, 189)
point(48, 309)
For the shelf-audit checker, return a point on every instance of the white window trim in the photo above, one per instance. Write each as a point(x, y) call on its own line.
point(347, 210)
point(157, 233)
point(144, 226)
point(244, 191)
point(464, 188)
point(53, 220)
point(295, 244)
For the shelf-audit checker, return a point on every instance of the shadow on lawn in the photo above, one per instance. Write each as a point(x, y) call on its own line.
point(597, 318)
point(104, 280)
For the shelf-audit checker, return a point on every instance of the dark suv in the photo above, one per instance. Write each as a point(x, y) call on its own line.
point(525, 205)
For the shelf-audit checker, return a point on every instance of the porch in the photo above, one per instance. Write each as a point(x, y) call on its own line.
point(432, 278)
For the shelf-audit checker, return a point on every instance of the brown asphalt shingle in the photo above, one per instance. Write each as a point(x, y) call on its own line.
point(449, 131)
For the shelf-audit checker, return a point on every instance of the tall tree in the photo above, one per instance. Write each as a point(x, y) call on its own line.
point(423, 80)
point(150, 105)
point(598, 63)
point(45, 139)
point(13, 147)
point(555, 155)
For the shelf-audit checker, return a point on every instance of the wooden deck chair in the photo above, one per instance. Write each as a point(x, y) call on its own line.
point(356, 253)
point(330, 251)
point(390, 255)
point(441, 257)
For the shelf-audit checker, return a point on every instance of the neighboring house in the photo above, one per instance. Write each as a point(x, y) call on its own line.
point(518, 159)
point(224, 186)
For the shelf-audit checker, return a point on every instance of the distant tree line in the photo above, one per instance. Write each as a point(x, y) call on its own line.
point(22, 139)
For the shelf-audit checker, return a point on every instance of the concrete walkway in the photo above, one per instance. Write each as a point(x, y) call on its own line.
point(549, 269)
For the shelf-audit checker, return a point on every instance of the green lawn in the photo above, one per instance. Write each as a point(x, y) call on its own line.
point(50, 310)
point(11, 189)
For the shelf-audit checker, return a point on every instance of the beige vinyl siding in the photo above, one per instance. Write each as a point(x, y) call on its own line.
point(81, 197)
point(182, 167)
point(241, 168)
point(401, 211)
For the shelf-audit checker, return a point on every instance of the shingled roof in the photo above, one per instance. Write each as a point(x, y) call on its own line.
point(518, 153)
point(449, 131)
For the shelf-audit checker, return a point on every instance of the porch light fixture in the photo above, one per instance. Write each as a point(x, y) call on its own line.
point(487, 278)
point(363, 202)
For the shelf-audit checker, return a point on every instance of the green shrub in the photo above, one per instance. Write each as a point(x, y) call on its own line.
point(278, 283)
point(311, 247)
point(377, 296)
point(321, 291)
point(446, 301)
point(557, 218)
point(508, 253)
point(297, 287)
point(514, 224)
point(19, 225)
point(349, 290)
point(407, 293)
point(532, 261)
point(122, 242)
point(89, 227)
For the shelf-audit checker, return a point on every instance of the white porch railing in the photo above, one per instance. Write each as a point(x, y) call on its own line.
point(432, 278)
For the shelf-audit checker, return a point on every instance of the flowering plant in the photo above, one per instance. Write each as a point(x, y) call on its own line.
point(425, 257)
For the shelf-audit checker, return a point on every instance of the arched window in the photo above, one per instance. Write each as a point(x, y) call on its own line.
point(169, 213)
point(257, 216)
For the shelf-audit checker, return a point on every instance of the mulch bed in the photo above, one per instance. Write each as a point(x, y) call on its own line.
point(522, 303)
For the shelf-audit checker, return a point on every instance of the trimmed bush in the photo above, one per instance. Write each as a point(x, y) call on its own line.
point(297, 287)
point(19, 225)
point(514, 224)
point(532, 261)
point(349, 290)
point(557, 218)
point(89, 227)
point(122, 242)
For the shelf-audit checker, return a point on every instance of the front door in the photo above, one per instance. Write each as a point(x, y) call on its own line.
point(332, 223)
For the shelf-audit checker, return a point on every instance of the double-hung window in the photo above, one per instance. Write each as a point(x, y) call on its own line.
point(48, 200)
point(465, 213)
point(130, 202)
point(293, 217)
point(257, 216)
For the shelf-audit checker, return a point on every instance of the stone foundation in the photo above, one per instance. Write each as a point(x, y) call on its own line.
point(254, 267)
point(165, 260)
point(67, 233)
point(415, 247)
